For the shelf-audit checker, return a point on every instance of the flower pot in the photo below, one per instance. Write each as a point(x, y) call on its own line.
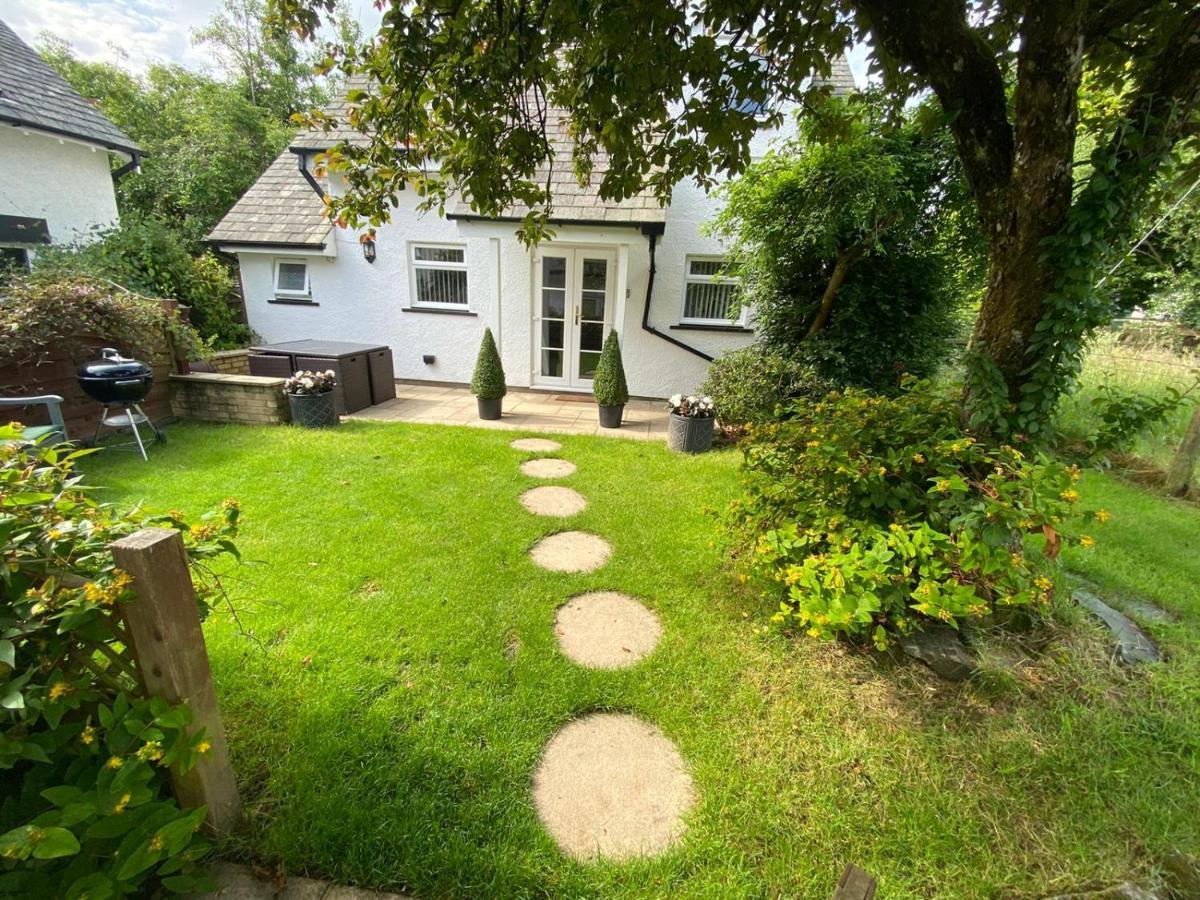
point(313, 410)
point(689, 434)
point(610, 416)
point(490, 408)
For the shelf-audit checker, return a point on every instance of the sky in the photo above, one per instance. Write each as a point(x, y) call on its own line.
point(137, 33)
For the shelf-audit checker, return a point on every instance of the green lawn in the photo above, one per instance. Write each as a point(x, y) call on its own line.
point(387, 733)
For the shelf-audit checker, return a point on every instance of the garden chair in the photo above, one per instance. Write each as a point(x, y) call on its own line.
point(55, 432)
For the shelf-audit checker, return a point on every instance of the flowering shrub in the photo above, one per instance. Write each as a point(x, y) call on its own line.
point(867, 515)
point(691, 406)
point(87, 808)
point(308, 383)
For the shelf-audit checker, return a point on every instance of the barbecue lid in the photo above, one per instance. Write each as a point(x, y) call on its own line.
point(113, 365)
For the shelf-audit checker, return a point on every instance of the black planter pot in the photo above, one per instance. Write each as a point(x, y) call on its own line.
point(313, 410)
point(687, 434)
point(610, 416)
point(489, 409)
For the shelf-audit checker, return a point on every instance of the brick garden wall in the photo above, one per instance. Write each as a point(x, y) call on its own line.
point(231, 362)
point(240, 399)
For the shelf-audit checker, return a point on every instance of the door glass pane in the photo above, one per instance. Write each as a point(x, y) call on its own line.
point(591, 336)
point(552, 334)
point(552, 363)
point(594, 273)
point(593, 306)
point(554, 271)
point(554, 303)
point(587, 364)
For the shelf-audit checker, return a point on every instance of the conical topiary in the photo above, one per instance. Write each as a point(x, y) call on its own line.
point(488, 381)
point(609, 383)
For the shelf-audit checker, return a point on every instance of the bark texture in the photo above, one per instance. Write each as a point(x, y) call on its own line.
point(1183, 464)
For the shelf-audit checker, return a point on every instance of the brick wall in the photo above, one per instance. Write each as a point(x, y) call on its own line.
point(241, 399)
point(231, 362)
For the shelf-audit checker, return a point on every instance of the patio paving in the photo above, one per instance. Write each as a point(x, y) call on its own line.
point(541, 411)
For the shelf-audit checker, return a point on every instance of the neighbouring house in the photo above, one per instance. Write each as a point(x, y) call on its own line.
point(432, 283)
point(55, 147)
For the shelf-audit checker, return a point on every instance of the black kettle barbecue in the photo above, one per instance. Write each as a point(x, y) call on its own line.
point(118, 382)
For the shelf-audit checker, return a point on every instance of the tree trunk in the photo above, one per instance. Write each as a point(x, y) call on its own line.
point(1179, 476)
point(844, 259)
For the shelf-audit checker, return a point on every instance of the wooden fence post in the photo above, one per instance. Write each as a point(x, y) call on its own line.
point(1179, 476)
point(172, 662)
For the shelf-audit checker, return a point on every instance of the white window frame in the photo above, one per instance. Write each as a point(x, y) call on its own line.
point(305, 294)
point(689, 278)
point(414, 264)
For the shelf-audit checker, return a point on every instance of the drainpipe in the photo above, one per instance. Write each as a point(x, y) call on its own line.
point(652, 232)
point(302, 165)
point(135, 163)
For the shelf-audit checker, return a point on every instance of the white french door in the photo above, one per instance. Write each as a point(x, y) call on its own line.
point(573, 313)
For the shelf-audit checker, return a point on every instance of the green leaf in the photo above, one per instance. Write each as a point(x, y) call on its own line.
point(138, 861)
point(8, 654)
point(14, 699)
point(54, 843)
point(62, 795)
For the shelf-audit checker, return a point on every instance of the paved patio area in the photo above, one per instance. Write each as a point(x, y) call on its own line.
point(523, 411)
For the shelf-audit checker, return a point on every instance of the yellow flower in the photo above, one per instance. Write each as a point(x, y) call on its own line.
point(1103, 515)
point(1043, 582)
point(812, 444)
point(943, 484)
point(882, 470)
point(1070, 495)
point(895, 526)
point(54, 534)
point(1087, 540)
point(229, 503)
point(156, 843)
point(151, 750)
point(119, 806)
point(58, 690)
point(1075, 473)
point(88, 735)
point(918, 457)
point(115, 762)
point(1017, 559)
point(93, 592)
point(203, 532)
point(203, 747)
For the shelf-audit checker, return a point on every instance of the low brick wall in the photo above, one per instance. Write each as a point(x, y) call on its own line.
point(240, 399)
point(231, 362)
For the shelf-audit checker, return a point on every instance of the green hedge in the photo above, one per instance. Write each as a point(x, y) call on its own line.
point(609, 384)
point(488, 381)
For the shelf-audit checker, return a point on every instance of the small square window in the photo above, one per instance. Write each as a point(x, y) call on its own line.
point(439, 276)
point(710, 297)
point(291, 278)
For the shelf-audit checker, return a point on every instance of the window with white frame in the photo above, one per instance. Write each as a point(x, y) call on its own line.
point(439, 275)
point(291, 279)
point(710, 295)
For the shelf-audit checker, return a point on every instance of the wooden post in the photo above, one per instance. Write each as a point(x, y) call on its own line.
point(172, 662)
point(1179, 476)
point(855, 884)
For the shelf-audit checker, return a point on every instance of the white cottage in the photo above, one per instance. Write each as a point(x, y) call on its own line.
point(55, 150)
point(436, 282)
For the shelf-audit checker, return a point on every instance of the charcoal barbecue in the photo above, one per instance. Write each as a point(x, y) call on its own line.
point(120, 384)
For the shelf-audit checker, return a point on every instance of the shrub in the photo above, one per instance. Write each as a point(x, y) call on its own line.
point(87, 806)
point(1125, 415)
point(866, 515)
point(752, 385)
point(147, 257)
point(488, 381)
point(609, 383)
point(43, 313)
point(307, 384)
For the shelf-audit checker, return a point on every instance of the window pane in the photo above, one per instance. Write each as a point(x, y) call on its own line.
point(595, 272)
point(593, 306)
point(438, 254)
point(704, 267)
point(591, 336)
point(442, 286)
point(554, 303)
point(291, 277)
point(552, 334)
point(709, 300)
point(554, 271)
point(587, 364)
point(552, 363)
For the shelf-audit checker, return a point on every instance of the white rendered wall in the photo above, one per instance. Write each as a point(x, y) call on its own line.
point(65, 182)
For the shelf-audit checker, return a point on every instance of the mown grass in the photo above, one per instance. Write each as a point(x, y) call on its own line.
point(386, 734)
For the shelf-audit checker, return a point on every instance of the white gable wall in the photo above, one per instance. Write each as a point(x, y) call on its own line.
point(68, 183)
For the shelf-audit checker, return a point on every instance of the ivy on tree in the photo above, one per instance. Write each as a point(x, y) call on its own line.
point(469, 84)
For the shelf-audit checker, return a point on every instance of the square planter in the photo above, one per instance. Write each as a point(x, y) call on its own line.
point(689, 434)
point(314, 410)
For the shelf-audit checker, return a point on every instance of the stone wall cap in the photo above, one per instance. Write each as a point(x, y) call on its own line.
point(222, 378)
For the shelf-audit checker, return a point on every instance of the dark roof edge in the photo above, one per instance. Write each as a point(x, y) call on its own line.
point(132, 150)
point(473, 217)
point(291, 245)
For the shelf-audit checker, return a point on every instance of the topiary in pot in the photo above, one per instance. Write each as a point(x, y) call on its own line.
point(612, 393)
point(487, 384)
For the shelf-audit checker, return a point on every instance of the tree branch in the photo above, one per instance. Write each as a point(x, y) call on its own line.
point(1106, 18)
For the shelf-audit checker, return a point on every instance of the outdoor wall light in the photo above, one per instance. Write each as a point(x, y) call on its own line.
point(429, 359)
point(368, 246)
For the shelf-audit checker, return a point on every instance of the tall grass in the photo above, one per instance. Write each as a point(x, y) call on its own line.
point(1134, 359)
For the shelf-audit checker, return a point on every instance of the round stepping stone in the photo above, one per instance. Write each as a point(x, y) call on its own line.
point(552, 500)
point(536, 445)
point(547, 468)
point(606, 630)
point(571, 551)
point(610, 785)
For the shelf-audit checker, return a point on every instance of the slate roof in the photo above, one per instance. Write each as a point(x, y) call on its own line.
point(280, 209)
point(32, 94)
point(841, 78)
point(339, 110)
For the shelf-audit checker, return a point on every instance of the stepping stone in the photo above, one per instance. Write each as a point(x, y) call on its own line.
point(552, 500)
point(571, 551)
point(1133, 644)
point(606, 630)
point(940, 648)
point(536, 445)
point(610, 785)
point(547, 468)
